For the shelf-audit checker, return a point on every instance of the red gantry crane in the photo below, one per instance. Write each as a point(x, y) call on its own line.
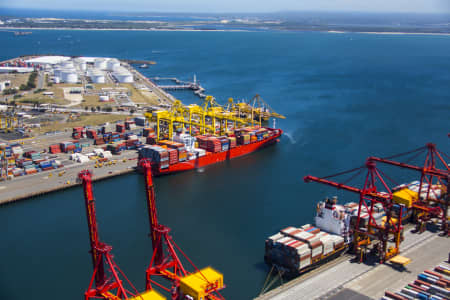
point(166, 263)
point(369, 228)
point(106, 282)
point(431, 204)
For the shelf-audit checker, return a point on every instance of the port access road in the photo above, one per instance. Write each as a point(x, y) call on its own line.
point(348, 280)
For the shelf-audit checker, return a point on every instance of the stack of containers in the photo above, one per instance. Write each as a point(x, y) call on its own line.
point(428, 285)
point(54, 149)
point(77, 132)
point(130, 125)
point(120, 128)
point(225, 143)
point(296, 248)
point(140, 121)
point(99, 141)
point(173, 156)
point(46, 165)
point(261, 134)
point(108, 128)
point(131, 137)
point(16, 150)
point(243, 139)
point(67, 147)
point(157, 154)
point(116, 147)
point(91, 133)
point(181, 149)
point(132, 144)
point(115, 136)
point(35, 156)
point(209, 143)
point(232, 142)
point(151, 140)
point(148, 131)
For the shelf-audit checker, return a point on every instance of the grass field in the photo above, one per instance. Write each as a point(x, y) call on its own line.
point(16, 79)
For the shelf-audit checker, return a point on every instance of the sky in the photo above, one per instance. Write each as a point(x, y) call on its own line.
point(414, 6)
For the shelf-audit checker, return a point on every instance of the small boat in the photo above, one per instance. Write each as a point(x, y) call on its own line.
point(144, 66)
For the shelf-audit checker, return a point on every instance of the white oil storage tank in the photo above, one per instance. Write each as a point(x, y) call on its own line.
point(104, 98)
point(100, 63)
point(97, 77)
point(113, 64)
point(82, 65)
point(68, 64)
point(123, 75)
point(57, 72)
point(69, 76)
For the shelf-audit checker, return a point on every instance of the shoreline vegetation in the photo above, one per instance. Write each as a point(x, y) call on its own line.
point(2, 28)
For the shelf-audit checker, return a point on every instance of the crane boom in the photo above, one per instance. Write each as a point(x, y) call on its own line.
point(429, 171)
point(97, 260)
point(152, 212)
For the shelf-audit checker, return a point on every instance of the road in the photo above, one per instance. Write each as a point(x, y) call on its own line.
point(41, 77)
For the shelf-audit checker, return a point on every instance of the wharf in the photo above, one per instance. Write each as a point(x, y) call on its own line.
point(41, 183)
point(346, 279)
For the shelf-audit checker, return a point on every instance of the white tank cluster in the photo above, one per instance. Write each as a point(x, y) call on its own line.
point(122, 75)
point(70, 70)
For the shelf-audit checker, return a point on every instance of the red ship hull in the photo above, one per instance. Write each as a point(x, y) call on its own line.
point(212, 158)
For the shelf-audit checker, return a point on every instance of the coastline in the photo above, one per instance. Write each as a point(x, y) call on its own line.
point(119, 29)
point(224, 30)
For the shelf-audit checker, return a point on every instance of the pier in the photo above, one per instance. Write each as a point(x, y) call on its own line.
point(181, 85)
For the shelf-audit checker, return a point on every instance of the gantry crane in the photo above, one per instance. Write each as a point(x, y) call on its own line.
point(166, 263)
point(106, 282)
point(254, 110)
point(429, 174)
point(204, 118)
point(369, 195)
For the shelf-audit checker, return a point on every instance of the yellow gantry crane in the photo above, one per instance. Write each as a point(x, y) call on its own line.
point(210, 117)
point(254, 110)
point(9, 121)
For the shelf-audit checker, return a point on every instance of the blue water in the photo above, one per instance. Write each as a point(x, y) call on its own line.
point(345, 96)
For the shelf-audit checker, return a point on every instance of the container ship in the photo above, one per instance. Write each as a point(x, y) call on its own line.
point(186, 152)
point(296, 250)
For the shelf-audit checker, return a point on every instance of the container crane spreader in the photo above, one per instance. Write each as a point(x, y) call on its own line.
point(106, 282)
point(166, 263)
point(365, 232)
